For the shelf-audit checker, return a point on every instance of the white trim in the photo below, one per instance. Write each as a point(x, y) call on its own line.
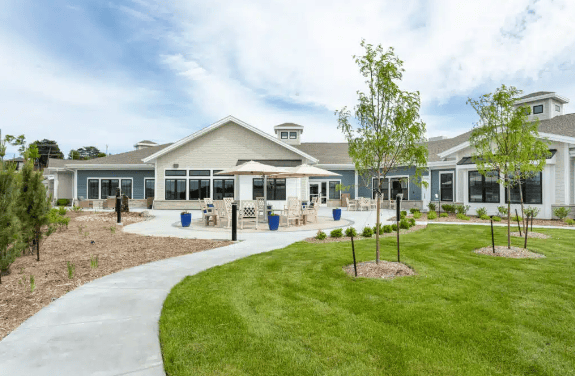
point(452, 185)
point(216, 125)
point(110, 166)
point(356, 190)
point(454, 149)
point(542, 97)
point(100, 186)
point(75, 187)
point(557, 138)
point(567, 171)
point(441, 164)
point(323, 180)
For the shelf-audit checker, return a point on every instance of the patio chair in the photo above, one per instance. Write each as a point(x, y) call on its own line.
point(363, 203)
point(224, 213)
point(293, 211)
point(208, 213)
point(261, 208)
point(373, 204)
point(248, 212)
point(351, 205)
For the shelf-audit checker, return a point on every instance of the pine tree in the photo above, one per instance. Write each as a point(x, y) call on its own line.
point(8, 221)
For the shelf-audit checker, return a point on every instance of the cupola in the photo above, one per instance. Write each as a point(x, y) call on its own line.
point(289, 133)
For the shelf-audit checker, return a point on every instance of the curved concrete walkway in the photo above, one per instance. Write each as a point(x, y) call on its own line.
point(110, 326)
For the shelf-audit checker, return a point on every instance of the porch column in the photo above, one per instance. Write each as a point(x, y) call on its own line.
point(567, 173)
point(356, 187)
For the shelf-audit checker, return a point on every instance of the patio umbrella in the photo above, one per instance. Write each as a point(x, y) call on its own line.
point(254, 168)
point(304, 171)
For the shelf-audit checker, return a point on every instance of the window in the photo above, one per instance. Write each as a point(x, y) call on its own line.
point(223, 188)
point(532, 190)
point(399, 185)
point(276, 189)
point(557, 108)
point(126, 188)
point(199, 172)
point(483, 188)
point(384, 185)
point(93, 189)
point(175, 173)
point(284, 135)
point(446, 186)
point(216, 171)
point(149, 188)
point(108, 187)
point(538, 109)
point(334, 194)
point(293, 135)
point(199, 189)
point(175, 189)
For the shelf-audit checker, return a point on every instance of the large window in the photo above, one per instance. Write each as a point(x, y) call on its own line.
point(384, 185)
point(483, 188)
point(334, 194)
point(199, 189)
point(108, 187)
point(276, 189)
point(126, 187)
point(223, 188)
point(532, 190)
point(538, 109)
point(199, 172)
point(175, 189)
point(446, 186)
point(93, 189)
point(175, 173)
point(149, 188)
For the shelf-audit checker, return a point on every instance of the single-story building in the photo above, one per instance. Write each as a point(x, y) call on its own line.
point(176, 175)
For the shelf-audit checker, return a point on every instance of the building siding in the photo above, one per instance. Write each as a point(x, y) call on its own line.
point(138, 177)
point(347, 179)
point(414, 189)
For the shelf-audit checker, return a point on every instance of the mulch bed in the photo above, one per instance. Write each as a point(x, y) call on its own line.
point(359, 237)
point(475, 219)
point(530, 235)
point(385, 270)
point(88, 235)
point(503, 251)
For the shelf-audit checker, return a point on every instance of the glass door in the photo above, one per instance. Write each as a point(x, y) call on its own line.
point(313, 191)
point(446, 187)
point(323, 196)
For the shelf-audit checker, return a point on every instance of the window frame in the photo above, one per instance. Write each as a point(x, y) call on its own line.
point(294, 134)
point(524, 190)
point(273, 192)
point(130, 196)
point(224, 194)
point(537, 107)
point(557, 108)
point(88, 188)
point(282, 135)
point(172, 172)
point(452, 186)
point(200, 188)
point(483, 189)
point(146, 188)
point(99, 179)
point(176, 190)
point(199, 173)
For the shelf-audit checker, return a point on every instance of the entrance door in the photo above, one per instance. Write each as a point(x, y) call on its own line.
point(446, 186)
point(313, 191)
point(318, 190)
point(323, 196)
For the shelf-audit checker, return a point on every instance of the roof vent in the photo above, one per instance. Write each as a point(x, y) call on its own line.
point(175, 165)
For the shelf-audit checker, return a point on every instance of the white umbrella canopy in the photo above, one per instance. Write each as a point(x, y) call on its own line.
point(303, 171)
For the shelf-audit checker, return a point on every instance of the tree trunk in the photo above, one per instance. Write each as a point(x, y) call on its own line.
point(508, 216)
point(526, 230)
point(522, 213)
point(378, 207)
point(37, 245)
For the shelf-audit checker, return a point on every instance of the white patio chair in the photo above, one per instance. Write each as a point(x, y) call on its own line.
point(363, 203)
point(224, 213)
point(293, 211)
point(261, 209)
point(248, 212)
point(373, 204)
point(351, 205)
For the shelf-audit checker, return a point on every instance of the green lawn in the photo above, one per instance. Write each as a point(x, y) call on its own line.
point(294, 311)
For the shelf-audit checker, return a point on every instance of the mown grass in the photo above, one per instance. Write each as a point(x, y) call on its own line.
point(294, 311)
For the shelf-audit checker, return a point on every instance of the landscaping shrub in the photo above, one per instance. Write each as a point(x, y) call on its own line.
point(443, 215)
point(516, 218)
point(393, 227)
point(462, 209)
point(387, 229)
point(367, 232)
point(462, 217)
point(417, 215)
point(561, 212)
point(411, 222)
point(374, 229)
point(448, 208)
point(481, 212)
point(431, 206)
point(531, 211)
point(569, 221)
point(414, 210)
point(404, 224)
point(350, 231)
point(76, 209)
point(321, 235)
point(502, 211)
point(402, 214)
point(337, 233)
point(63, 202)
point(485, 217)
point(496, 219)
point(432, 215)
point(62, 211)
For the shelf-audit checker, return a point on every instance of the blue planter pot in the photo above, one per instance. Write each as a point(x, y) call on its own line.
point(274, 222)
point(336, 214)
point(186, 219)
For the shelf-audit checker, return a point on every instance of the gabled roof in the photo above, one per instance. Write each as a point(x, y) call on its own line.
point(218, 124)
point(133, 157)
point(536, 94)
point(327, 152)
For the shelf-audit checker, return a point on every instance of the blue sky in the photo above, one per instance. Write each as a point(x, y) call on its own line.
point(113, 73)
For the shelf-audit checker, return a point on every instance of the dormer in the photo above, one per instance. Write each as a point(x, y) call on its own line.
point(543, 104)
point(289, 133)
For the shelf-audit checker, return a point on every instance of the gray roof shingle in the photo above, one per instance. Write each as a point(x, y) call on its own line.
point(327, 152)
point(536, 94)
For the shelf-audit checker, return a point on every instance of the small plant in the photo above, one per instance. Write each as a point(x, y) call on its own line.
point(431, 206)
point(448, 208)
point(485, 217)
point(350, 231)
point(76, 209)
point(414, 210)
point(516, 218)
point(462, 209)
point(462, 216)
point(393, 227)
point(496, 219)
point(71, 269)
point(387, 228)
point(432, 215)
point(404, 224)
point(374, 229)
point(417, 215)
point(481, 212)
point(63, 202)
point(561, 212)
point(403, 213)
point(62, 211)
point(367, 232)
point(185, 212)
point(320, 235)
point(411, 222)
point(531, 211)
point(444, 215)
point(86, 234)
point(113, 229)
point(94, 262)
point(502, 211)
point(32, 283)
point(337, 233)
point(570, 221)
point(80, 229)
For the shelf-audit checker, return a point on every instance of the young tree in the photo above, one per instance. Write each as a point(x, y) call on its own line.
point(33, 204)
point(8, 221)
point(505, 142)
point(389, 131)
